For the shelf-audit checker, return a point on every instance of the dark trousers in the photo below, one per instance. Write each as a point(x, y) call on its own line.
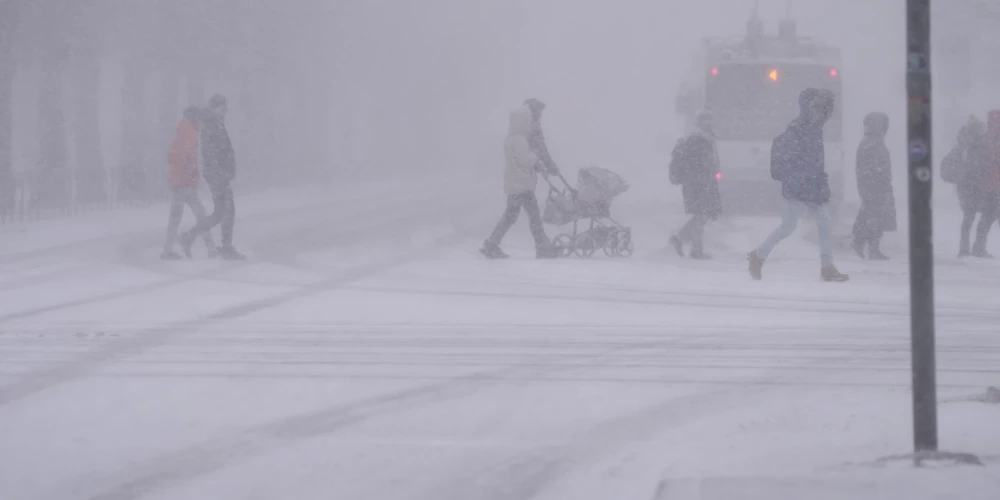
point(990, 208)
point(223, 213)
point(185, 197)
point(515, 202)
point(693, 232)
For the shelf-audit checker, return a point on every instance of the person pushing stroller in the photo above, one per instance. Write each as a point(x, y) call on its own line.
point(525, 155)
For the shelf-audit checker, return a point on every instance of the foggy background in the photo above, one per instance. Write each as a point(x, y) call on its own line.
point(90, 91)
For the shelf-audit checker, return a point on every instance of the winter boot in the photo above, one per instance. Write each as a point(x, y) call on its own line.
point(186, 241)
point(756, 265)
point(830, 273)
point(874, 253)
point(700, 255)
point(492, 251)
point(214, 253)
point(981, 253)
point(229, 253)
point(170, 255)
point(859, 247)
point(678, 245)
point(547, 252)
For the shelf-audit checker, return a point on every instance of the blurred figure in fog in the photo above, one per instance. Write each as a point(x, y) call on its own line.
point(694, 165)
point(220, 170)
point(991, 187)
point(874, 175)
point(520, 178)
point(183, 161)
point(966, 166)
point(536, 139)
point(797, 161)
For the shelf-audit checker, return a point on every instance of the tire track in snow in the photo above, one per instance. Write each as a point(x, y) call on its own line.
point(38, 381)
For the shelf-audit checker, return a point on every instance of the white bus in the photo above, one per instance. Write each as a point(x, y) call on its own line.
point(751, 86)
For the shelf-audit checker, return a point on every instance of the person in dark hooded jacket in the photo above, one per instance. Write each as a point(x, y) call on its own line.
point(797, 161)
point(694, 166)
point(219, 170)
point(874, 175)
point(972, 166)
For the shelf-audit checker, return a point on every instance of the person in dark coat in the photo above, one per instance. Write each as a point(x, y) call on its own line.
point(874, 175)
point(694, 166)
point(972, 169)
point(219, 170)
point(797, 161)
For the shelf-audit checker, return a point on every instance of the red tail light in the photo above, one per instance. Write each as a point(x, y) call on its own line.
point(718, 176)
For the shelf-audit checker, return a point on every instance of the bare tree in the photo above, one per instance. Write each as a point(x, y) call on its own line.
point(9, 15)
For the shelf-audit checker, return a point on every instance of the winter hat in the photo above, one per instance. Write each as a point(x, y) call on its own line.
point(535, 106)
point(876, 123)
point(975, 125)
point(217, 101)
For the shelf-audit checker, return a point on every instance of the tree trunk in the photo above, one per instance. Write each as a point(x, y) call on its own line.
point(7, 188)
point(132, 184)
point(91, 173)
point(50, 188)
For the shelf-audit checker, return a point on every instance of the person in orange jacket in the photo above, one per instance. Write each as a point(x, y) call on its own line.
point(183, 160)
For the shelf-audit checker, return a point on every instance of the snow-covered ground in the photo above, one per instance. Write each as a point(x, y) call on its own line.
point(366, 351)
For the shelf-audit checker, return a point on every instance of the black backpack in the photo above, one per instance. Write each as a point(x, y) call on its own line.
point(680, 159)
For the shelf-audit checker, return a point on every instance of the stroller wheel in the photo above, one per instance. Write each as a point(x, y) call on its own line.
point(612, 244)
point(626, 247)
point(563, 243)
point(585, 246)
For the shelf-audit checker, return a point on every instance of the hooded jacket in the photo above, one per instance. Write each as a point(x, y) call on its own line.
point(536, 139)
point(700, 160)
point(183, 155)
point(974, 165)
point(520, 174)
point(217, 150)
point(799, 153)
point(874, 175)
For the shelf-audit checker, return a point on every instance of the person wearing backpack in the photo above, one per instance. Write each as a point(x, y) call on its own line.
point(874, 176)
point(797, 161)
point(966, 166)
point(693, 166)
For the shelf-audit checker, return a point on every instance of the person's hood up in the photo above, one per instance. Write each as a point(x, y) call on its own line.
point(703, 124)
point(521, 122)
point(810, 95)
point(876, 124)
point(535, 106)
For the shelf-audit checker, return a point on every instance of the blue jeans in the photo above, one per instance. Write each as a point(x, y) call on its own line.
point(794, 210)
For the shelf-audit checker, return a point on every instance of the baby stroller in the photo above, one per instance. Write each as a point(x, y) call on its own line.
point(595, 189)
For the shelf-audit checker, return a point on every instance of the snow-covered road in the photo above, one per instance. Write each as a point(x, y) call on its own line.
point(365, 351)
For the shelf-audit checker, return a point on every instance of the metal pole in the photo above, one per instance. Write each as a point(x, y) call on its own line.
point(918, 86)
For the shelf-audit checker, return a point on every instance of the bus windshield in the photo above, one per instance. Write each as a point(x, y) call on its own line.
point(755, 102)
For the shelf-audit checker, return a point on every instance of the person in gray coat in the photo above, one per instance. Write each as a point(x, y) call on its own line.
point(878, 203)
point(520, 180)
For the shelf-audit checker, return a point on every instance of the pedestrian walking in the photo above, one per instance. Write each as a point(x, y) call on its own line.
point(797, 161)
point(183, 178)
point(219, 171)
point(694, 166)
point(874, 176)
